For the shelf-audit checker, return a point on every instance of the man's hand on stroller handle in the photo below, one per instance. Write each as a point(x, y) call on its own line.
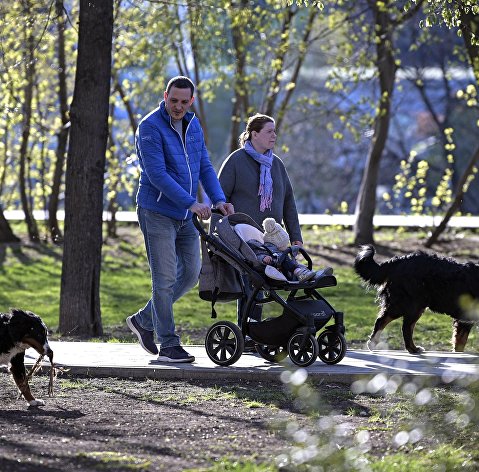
point(201, 209)
point(204, 211)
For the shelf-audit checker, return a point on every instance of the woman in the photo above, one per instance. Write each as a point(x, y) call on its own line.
point(255, 181)
point(254, 166)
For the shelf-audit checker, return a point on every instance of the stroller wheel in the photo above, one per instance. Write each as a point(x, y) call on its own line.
point(332, 347)
point(224, 343)
point(272, 353)
point(303, 352)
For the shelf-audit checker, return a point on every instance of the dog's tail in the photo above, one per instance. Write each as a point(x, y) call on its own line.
point(367, 268)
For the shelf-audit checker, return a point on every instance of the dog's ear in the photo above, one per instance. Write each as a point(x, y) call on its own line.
point(18, 325)
point(19, 312)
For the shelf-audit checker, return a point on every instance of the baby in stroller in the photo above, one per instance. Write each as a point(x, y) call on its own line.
point(273, 250)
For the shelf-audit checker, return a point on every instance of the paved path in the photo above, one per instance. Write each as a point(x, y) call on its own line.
point(130, 361)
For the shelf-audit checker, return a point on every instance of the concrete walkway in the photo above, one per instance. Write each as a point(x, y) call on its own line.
point(126, 360)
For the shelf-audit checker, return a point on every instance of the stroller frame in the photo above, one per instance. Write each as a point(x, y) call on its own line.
point(304, 314)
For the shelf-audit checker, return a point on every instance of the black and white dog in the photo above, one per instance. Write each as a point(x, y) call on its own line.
point(407, 285)
point(20, 330)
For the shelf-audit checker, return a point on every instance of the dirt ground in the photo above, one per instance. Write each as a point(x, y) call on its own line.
point(118, 424)
point(123, 424)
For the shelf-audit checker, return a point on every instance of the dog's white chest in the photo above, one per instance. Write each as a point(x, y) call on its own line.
point(6, 356)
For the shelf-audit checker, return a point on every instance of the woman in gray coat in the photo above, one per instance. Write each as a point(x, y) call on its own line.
point(255, 181)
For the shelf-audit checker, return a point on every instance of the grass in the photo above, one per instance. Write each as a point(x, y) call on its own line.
point(111, 460)
point(449, 457)
point(30, 278)
point(227, 465)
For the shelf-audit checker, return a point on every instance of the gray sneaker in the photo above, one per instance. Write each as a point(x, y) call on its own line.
point(303, 274)
point(146, 338)
point(174, 354)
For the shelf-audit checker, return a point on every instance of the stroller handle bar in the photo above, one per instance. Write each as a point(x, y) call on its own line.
point(305, 255)
point(199, 226)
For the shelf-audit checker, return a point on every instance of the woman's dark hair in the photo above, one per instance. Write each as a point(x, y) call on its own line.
point(254, 123)
point(182, 82)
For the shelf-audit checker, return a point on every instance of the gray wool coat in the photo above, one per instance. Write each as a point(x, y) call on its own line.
point(239, 178)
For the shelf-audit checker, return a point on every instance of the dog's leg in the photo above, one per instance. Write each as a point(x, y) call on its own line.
point(381, 322)
point(19, 376)
point(408, 325)
point(460, 333)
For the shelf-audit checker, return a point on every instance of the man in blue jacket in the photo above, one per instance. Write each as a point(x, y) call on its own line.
point(173, 160)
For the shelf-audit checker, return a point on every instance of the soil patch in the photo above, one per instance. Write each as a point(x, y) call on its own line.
point(121, 424)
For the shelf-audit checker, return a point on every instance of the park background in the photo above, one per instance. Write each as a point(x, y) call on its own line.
point(375, 105)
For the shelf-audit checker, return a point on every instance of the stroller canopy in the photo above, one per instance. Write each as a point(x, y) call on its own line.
point(235, 230)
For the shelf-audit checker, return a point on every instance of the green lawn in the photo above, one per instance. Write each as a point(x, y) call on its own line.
point(30, 279)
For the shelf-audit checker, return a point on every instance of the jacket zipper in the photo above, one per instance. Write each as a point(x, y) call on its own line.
point(186, 155)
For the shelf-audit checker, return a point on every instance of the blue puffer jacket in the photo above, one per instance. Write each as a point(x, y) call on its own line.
point(169, 171)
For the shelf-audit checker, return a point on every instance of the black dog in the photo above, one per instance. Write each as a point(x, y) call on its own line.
point(407, 285)
point(20, 330)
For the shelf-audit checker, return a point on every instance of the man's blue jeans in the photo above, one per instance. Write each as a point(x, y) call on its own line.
point(173, 251)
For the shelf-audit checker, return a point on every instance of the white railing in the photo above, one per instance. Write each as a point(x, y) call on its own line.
point(304, 219)
point(391, 220)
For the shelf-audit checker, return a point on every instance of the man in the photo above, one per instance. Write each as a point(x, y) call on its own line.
point(173, 159)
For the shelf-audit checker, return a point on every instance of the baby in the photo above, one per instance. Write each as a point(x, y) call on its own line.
point(272, 252)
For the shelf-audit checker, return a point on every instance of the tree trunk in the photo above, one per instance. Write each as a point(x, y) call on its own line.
point(194, 21)
point(240, 87)
point(27, 120)
point(112, 183)
point(303, 49)
point(456, 203)
point(6, 233)
point(80, 282)
point(366, 201)
point(127, 104)
point(469, 26)
point(62, 135)
point(283, 48)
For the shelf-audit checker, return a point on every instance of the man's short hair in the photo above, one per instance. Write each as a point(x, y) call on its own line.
point(180, 81)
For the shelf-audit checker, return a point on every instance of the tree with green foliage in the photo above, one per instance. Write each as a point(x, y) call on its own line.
point(29, 78)
point(63, 125)
point(80, 283)
point(31, 110)
point(387, 19)
point(463, 15)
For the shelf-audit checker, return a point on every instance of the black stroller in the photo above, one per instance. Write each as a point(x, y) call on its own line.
point(304, 311)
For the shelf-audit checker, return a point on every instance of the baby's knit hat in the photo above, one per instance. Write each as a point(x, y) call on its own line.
point(275, 234)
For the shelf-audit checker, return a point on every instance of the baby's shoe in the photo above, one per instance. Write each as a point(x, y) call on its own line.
point(303, 274)
point(324, 272)
point(274, 273)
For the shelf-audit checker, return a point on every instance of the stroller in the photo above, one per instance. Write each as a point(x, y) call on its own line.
point(304, 310)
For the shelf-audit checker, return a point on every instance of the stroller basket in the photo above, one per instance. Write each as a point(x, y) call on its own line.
point(273, 331)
